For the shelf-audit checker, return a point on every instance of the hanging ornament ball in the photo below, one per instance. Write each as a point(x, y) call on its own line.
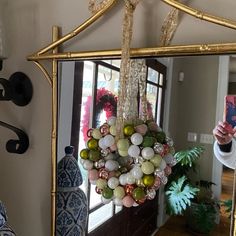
point(148, 180)
point(96, 134)
point(107, 193)
point(84, 153)
point(101, 183)
point(147, 153)
point(138, 193)
point(136, 139)
point(141, 129)
point(123, 144)
point(128, 130)
point(94, 155)
point(93, 175)
point(111, 120)
point(109, 140)
point(119, 192)
point(92, 144)
point(134, 151)
point(147, 168)
point(113, 130)
point(128, 201)
point(156, 160)
point(113, 182)
point(128, 171)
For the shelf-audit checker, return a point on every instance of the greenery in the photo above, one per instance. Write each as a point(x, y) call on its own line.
point(194, 200)
point(180, 192)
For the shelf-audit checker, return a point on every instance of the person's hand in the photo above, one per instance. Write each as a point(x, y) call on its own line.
point(221, 133)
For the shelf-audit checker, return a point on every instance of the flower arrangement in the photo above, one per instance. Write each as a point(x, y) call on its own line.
point(130, 170)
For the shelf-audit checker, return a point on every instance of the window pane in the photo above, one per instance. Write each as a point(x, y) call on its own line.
point(161, 80)
point(85, 117)
point(95, 199)
point(152, 75)
point(113, 62)
point(107, 91)
point(99, 216)
point(152, 97)
point(159, 102)
point(118, 209)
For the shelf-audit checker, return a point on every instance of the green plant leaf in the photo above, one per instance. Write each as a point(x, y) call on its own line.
point(179, 195)
point(188, 157)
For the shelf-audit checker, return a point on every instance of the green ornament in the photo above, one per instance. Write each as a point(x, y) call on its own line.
point(94, 155)
point(101, 183)
point(156, 160)
point(160, 136)
point(92, 144)
point(138, 194)
point(129, 130)
point(96, 134)
point(119, 192)
point(148, 141)
point(107, 193)
point(123, 144)
point(84, 154)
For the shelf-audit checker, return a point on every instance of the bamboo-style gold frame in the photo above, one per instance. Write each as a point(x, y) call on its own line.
point(55, 56)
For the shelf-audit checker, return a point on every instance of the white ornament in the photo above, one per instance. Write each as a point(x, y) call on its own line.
point(134, 151)
point(130, 178)
point(147, 153)
point(122, 179)
point(162, 165)
point(136, 139)
point(105, 201)
point(88, 165)
point(109, 140)
point(111, 120)
point(118, 202)
point(101, 144)
point(113, 182)
point(111, 165)
point(137, 172)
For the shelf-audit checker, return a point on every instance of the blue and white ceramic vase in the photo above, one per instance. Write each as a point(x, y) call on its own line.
point(5, 229)
point(72, 206)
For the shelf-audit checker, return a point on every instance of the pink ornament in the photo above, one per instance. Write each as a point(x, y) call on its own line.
point(129, 189)
point(93, 175)
point(113, 147)
point(141, 129)
point(98, 190)
point(166, 149)
point(128, 201)
point(153, 126)
point(89, 133)
point(157, 183)
point(112, 174)
point(168, 170)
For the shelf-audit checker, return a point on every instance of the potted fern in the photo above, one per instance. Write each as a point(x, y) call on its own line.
point(193, 200)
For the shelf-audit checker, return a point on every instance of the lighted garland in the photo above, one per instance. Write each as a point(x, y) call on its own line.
point(130, 171)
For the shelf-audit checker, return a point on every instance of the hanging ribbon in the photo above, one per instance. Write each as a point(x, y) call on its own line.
point(130, 6)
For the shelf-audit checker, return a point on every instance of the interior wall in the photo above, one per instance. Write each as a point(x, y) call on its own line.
point(25, 179)
point(193, 104)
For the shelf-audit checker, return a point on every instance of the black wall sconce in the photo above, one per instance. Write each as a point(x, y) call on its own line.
point(17, 89)
point(13, 145)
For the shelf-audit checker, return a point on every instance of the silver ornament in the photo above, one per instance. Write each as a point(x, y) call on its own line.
point(158, 172)
point(151, 193)
point(158, 148)
point(99, 164)
point(104, 152)
point(170, 141)
point(164, 180)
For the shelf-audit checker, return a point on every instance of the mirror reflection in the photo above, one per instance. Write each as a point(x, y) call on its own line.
point(185, 99)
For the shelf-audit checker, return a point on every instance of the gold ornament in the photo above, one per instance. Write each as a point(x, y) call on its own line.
point(92, 144)
point(129, 130)
point(148, 180)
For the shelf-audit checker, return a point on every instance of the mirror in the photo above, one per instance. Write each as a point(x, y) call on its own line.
point(187, 112)
point(174, 50)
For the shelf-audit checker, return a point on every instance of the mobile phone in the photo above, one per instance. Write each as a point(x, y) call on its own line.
point(230, 113)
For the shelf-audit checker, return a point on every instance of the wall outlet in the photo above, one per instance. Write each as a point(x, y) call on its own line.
point(206, 138)
point(192, 137)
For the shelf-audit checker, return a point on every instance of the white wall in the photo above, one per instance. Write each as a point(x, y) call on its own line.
point(25, 179)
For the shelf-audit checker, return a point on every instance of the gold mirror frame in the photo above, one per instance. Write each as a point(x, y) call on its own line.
point(176, 50)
